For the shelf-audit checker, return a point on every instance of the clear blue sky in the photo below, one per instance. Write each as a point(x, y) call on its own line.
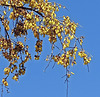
point(36, 83)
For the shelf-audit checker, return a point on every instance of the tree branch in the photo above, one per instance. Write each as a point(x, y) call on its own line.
point(26, 8)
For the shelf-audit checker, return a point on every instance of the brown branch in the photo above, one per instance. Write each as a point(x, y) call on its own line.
point(26, 8)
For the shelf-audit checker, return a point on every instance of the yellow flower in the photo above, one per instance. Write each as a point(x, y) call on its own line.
point(72, 73)
point(89, 58)
point(67, 44)
point(3, 80)
point(15, 77)
point(4, 12)
point(71, 37)
point(7, 70)
point(68, 75)
point(74, 57)
point(7, 28)
point(59, 34)
point(85, 62)
point(5, 83)
point(60, 5)
point(57, 9)
point(64, 46)
point(74, 62)
point(75, 49)
point(80, 54)
point(68, 40)
point(9, 8)
point(23, 72)
point(81, 41)
point(36, 57)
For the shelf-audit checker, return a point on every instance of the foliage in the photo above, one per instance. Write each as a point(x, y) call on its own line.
point(40, 17)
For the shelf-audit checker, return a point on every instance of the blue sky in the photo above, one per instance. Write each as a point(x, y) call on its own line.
point(36, 83)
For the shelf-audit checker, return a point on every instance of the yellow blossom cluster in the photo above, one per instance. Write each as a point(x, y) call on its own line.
point(19, 30)
point(6, 24)
point(66, 58)
point(85, 57)
point(63, 59)
point(4, 82)
point(66, 42)
point(38, 16)
point(11, 52)
point(19, 46)
point(38, 46)
point(5, 44)
point(13, 68)
point(38, 49)
point(7, 70)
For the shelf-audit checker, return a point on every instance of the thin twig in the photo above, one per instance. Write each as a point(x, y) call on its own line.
point(54, 65)
point(88, 67)
point(47, 66)
point(2, 90)
point(67, 84)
